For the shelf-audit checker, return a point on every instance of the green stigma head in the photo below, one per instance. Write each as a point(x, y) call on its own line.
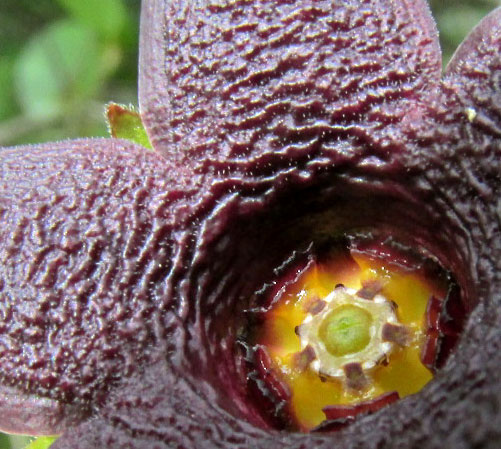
point(346, 330)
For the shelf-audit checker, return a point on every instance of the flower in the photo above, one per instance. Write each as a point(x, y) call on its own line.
point(125, 274)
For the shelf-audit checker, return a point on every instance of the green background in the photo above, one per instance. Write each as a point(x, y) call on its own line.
point(61, 61)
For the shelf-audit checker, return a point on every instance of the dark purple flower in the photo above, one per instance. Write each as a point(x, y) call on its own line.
point(125, 274)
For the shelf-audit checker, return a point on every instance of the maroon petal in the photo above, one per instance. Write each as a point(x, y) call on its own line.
point(257, 87)
point(85, 248)
point(183, 386)
point(458, 143)
point(162, 409)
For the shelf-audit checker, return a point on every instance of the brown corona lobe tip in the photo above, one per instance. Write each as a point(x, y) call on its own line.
point(355, 376)
point(396, 334)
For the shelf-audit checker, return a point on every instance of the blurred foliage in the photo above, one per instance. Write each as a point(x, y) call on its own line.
point(61, 61)
point(455, 18)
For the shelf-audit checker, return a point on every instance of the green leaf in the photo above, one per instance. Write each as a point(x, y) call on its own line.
point(41, 443)
point(125, 123)
point(107, 17)
point(4, 441)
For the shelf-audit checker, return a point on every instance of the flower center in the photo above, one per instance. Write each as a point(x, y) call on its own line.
point(347, 330)
point(352, 331)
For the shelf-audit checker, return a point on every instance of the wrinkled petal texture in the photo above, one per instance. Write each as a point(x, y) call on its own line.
point(126, 274)
point(86, 241)
point(254, 87)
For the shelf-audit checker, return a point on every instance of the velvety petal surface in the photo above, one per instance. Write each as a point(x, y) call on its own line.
point(250, 88)
point(266, 156)
point(441, 194)
point(195, 400)
point(85, 248)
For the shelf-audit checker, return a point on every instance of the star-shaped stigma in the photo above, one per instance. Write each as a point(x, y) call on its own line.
point(126, 274)
point(349, 333)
